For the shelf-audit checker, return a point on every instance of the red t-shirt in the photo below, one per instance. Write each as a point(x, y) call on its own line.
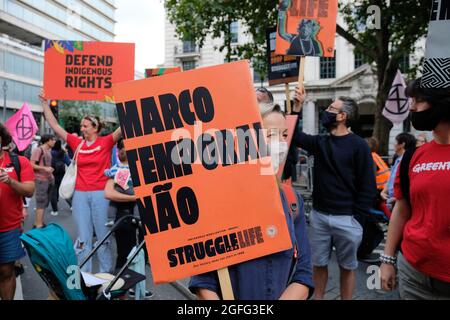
point(92, 162)
point(11, 204)
point(426, 236)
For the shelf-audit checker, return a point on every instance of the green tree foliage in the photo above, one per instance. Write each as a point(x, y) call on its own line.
point(71, 113)
point(196, 19)
point(402, 24)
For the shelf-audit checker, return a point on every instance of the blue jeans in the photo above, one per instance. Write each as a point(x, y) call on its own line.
point(90, 211)
point(10, 246)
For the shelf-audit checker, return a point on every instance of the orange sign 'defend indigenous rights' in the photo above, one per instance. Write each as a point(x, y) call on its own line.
point(206, 192)
point(83, 70)
point(306, 27)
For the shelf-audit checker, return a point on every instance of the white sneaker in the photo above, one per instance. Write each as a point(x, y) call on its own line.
point(54, 213)
point(109, 224)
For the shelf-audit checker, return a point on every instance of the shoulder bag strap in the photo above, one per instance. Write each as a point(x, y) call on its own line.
point(291, 198)
point(42, 157)
point(75, 156)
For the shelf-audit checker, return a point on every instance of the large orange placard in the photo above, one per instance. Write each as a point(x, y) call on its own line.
point(80, 70)
point(306, 27)
point(200, 170)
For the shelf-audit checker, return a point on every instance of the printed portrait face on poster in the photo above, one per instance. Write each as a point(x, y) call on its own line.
point(197, 155)
point(306, 27)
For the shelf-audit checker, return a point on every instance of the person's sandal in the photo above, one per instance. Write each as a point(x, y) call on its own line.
point(43, 226)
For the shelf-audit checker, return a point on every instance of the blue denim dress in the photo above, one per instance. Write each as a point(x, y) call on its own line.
point(267, 277)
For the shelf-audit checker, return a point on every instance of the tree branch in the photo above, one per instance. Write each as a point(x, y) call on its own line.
point(358, 44)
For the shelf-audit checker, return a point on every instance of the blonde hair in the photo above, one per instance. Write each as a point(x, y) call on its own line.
point(266, 108)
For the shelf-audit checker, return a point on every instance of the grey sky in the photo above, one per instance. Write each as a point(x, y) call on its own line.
point(142, 22)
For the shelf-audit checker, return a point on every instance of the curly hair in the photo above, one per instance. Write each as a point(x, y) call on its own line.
point(5, 136)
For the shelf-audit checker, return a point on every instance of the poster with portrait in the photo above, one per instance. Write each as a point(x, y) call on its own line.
point(306, 27)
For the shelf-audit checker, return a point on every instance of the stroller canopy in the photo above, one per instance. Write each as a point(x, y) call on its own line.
point(51, 252)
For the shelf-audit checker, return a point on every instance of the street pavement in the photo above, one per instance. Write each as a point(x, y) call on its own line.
point(34, 288)
point(31, 287)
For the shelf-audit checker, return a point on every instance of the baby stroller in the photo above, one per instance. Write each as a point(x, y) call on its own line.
point(52, 254)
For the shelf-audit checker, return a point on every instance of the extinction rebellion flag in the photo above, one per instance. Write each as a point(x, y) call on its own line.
point(397, 104)
point(436, 71)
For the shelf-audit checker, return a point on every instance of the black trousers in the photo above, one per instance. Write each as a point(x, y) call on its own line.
point(55, 193)
point(127, 235)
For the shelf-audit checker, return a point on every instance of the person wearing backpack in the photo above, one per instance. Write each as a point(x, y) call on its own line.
point(41, 160)
point(286, 275)
point(420, 220)
point(60, 160)
point(16, 182)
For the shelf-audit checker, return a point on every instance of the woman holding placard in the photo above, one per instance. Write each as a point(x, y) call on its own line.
point(89, 206)
point(285, 275)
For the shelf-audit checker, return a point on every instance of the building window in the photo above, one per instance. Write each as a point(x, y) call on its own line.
point(19, 91)
point(232, 59)
point(188, 65)
point(328, 67)
point(188, 46)
point(360, 59)
point(21, 66)
point(404, 63)
point(257, 78)
point(234, 30)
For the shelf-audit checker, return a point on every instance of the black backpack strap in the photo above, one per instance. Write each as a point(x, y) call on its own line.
point(41, 157)
point(404, 173)
point(16, 164)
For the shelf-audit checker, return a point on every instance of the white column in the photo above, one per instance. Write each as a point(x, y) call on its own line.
point(309, 117)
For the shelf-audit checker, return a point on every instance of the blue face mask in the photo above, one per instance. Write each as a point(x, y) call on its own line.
point(328, 120)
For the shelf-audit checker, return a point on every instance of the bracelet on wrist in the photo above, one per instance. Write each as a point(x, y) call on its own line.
point(388, 259)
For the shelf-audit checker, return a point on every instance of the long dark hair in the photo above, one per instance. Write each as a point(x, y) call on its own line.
point(4, 134)
point(58, 149)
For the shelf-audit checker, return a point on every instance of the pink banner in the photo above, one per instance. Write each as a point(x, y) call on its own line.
point(22, 127)
point(397, 104)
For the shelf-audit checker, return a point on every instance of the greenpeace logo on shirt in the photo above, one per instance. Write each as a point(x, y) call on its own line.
point(431, 166)
point(91, 151)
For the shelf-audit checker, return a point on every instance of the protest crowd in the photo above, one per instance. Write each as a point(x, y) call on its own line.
point(346, 190)
point(123, 187)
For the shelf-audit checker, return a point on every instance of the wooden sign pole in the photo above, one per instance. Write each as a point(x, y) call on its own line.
point(225, 284)
point(288, 99)
point(301, 73)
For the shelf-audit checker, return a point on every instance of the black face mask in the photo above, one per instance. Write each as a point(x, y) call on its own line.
point(329, 120)
point(426, 120)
